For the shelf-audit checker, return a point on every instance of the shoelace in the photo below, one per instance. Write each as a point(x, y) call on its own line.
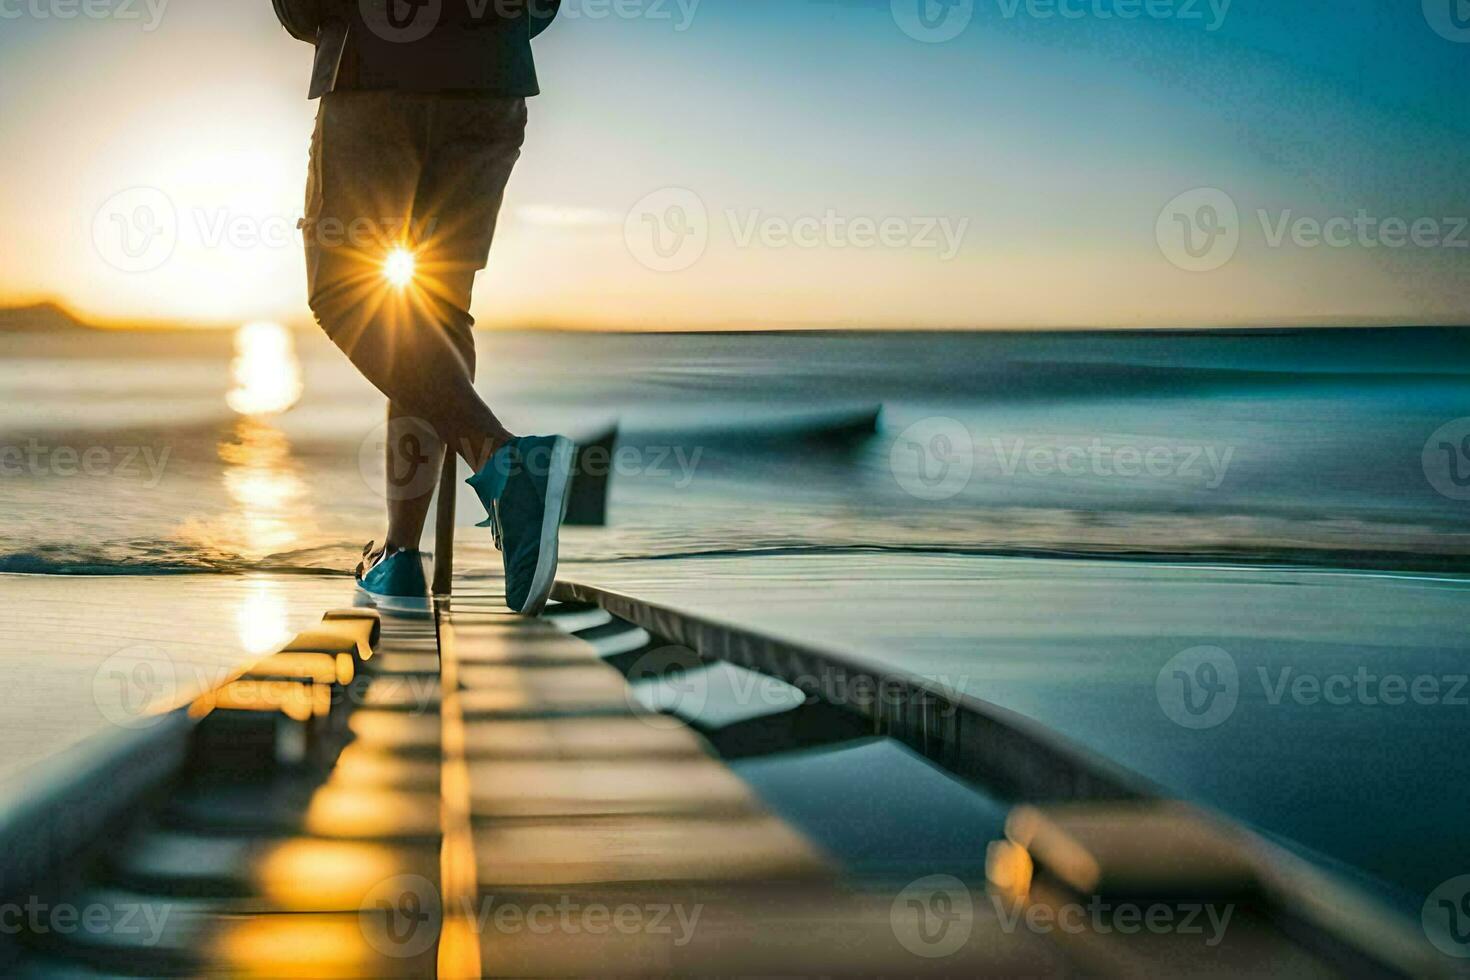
point(367, 565)
point(495, 524)
point(363, 567)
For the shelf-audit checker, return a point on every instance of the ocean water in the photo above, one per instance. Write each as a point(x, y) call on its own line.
point(1345, 694)
point(1048, 519)
point(1310, 446)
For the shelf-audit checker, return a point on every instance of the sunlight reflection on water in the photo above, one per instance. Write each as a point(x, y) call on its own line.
point(263, 480)
point(260, 616)
point(265, 372)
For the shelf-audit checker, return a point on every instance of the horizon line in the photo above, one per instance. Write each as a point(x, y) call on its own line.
point(55, 306)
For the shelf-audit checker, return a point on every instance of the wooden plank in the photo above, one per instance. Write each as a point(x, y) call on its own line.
point(574, 737)
point(795, 931)
point(243, 874)
point(396, 731)
point(603, 787)
point(562, 851)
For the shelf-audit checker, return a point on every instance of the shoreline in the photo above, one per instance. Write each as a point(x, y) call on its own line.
point(1314, 560)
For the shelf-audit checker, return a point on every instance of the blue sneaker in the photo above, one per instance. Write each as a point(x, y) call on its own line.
point(525, 488)
point(393, 581)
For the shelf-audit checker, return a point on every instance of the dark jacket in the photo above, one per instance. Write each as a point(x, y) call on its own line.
point(420, 45)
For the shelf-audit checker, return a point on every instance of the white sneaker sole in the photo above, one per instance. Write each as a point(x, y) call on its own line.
point(414, 606)
point(558, 482)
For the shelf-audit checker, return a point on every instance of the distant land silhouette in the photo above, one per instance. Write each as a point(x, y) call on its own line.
point(39, 318)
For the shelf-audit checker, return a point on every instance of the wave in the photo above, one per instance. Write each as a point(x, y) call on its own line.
point(1284, 556)
point(838, 427)
point(69, 561)
point(1231, 539)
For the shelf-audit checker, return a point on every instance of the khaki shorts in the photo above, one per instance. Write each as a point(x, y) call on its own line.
point(426, 172)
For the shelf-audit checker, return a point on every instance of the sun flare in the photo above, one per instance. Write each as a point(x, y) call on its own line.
point(398, 268)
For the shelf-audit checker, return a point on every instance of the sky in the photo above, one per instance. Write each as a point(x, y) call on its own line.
point(794, 163)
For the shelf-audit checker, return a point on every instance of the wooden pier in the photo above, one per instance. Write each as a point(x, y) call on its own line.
point(476, 794)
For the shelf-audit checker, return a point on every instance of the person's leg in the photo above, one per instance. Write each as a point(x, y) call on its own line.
point(417, 368)
point(367, 164)
point(414, 456)
point(477, 140)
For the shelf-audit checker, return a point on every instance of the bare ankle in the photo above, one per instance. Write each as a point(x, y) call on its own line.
point(478, 451)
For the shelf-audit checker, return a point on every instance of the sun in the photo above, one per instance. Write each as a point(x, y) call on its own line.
point(398, 268)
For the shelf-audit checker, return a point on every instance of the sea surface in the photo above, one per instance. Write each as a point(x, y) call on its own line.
point(1047, 519)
